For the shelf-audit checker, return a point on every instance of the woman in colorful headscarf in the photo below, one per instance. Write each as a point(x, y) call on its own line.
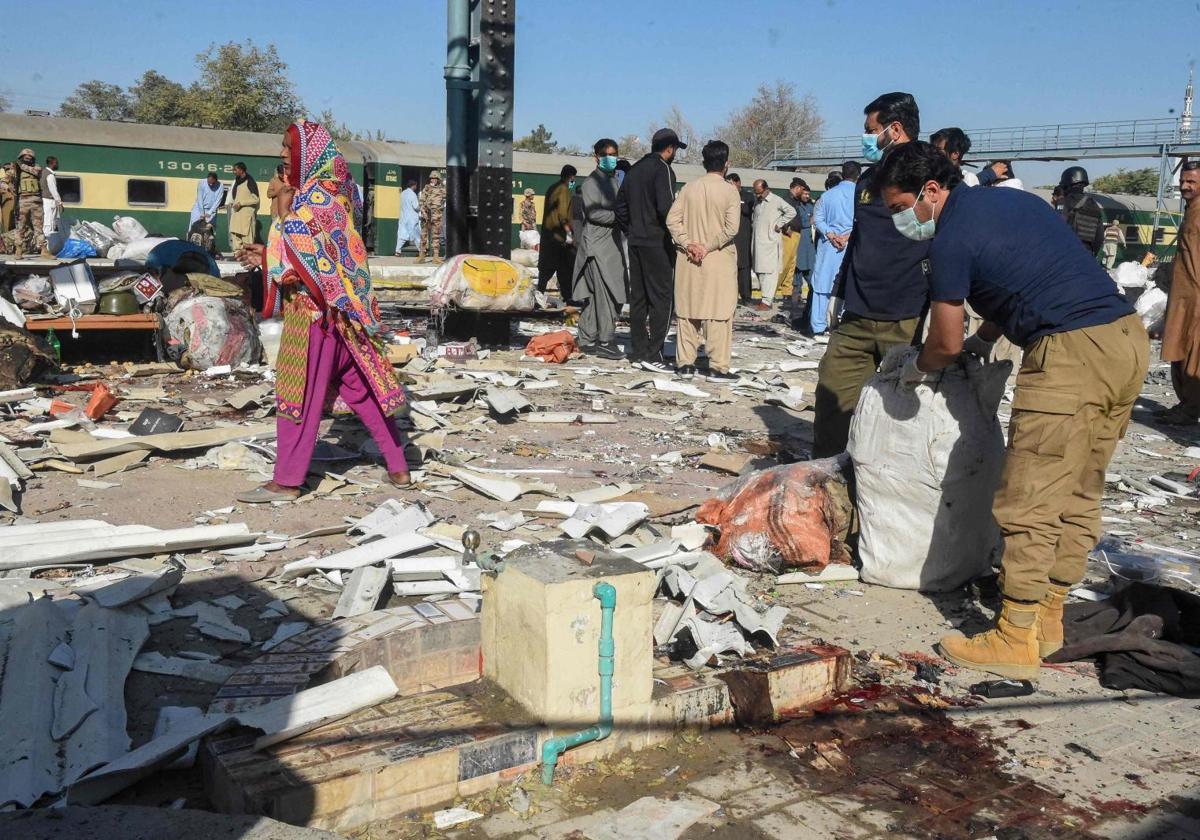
point(316, 264)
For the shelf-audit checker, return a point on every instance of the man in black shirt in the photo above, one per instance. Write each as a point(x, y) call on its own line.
point(645, 198)
point(882, 283)
point(742, 241)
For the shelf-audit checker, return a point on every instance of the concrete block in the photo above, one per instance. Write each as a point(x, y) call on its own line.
point(772, 688)
point(541, 633)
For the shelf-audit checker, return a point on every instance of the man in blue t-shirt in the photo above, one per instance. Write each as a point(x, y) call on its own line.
point(1086, 353)
point(881, 283)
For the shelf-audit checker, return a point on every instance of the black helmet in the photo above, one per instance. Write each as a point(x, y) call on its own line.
point(1073, 176)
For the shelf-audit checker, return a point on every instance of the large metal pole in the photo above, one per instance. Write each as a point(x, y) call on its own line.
point(458, 105)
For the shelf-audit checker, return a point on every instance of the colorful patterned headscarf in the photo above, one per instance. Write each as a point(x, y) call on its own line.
point(319, 239)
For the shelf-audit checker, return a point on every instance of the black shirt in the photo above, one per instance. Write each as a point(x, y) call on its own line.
point(881, 276)
point(645, 199)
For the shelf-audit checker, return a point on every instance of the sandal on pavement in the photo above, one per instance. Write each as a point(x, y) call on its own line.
point(264, 494)
point(399, 479)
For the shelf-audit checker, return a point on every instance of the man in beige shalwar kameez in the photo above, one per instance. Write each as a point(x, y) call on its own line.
point(703, 222)
point(243, 208)
point(1181, 333)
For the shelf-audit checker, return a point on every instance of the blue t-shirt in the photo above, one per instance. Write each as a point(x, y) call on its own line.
point(1018, 264)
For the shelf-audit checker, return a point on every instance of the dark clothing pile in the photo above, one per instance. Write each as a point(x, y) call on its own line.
point(1145, 636)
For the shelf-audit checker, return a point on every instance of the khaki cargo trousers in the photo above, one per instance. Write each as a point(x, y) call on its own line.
point(855, 350)
point(1074, 396)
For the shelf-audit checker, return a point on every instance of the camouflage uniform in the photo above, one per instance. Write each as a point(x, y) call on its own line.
point(432, 203)
point(29, 208)
point(8, 199)
point(528, 214)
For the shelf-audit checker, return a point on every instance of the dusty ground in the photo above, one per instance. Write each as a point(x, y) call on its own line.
point(1071, 760)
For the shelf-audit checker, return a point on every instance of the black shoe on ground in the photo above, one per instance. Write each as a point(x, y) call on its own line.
point(588, 349)
point(686, 372)
point(608, 351)
point(720, 377)
point(656, 366)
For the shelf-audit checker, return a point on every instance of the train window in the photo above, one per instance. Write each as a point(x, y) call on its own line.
point(146, 191)
point(70, 188)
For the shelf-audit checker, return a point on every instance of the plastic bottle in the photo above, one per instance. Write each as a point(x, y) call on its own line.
point(52, 340)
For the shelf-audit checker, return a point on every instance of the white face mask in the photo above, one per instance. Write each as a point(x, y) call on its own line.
point(910, 226)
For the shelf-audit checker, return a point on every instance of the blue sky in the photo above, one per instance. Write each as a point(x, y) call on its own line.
point(587, 69)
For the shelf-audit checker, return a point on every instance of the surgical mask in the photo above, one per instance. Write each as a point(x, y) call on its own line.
point(571, 184)
point(908, 225)
point(608, 163)
point(871, 149)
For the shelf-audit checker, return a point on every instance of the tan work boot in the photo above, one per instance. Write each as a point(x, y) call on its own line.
point(1050, 620)
point(46, 253)
point(1008, 650)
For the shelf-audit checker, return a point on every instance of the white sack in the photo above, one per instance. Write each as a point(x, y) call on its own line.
point(1152, 309)
point(128, 229)
point(530, 239)
point(482, 282)
point(927, 462)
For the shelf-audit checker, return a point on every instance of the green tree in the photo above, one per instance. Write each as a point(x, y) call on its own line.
point(775, 115)
point(539, 140)
point(1128, 182)
point(97, 100)
point(244, 88)
point(158, 100)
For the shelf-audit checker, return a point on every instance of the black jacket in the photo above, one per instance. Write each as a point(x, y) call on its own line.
point(745, 234)
point(644, 201)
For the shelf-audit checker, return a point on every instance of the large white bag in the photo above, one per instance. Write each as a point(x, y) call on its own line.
point(482, 282)
point(128, 229)
point(927, 462)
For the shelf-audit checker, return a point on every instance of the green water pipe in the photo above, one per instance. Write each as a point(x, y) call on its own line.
point(555, 747)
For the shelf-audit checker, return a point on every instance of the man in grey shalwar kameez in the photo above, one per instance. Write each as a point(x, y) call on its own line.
point(600, 259)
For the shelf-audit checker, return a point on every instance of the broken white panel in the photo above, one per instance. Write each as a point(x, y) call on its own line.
point(504, 401)
point(72, 705)
point(134, 588)
point(691, 535)
point(674, 387)
point(712, 639)
point(174, 718)
point(569, 417)
point(422, 568)
point(214, 622)
point(504, 521)
point(363, 591)
point(504, 490)
point(284, 632)
point(363, 555)
point(454, 816)
point(390, 519)
point(153, 662)
point(670, 621)
point(412, 588)
point(832, 572)
point(81, 548)
point(603, 493)
point(647, 553)
point(279, 720)
point(612, 519)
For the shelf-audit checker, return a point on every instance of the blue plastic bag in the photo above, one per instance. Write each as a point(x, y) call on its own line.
point(73, 249)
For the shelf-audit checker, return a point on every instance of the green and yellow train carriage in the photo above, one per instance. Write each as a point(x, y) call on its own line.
point(151, 172)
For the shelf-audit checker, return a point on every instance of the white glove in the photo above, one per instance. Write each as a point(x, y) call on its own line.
point(977, 345)
point(912, 376)
point(833, 315)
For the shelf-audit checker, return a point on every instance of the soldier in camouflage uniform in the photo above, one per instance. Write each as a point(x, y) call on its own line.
point(29, 205)
point(528, 211)
point(432, 203)
point(8, 198)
